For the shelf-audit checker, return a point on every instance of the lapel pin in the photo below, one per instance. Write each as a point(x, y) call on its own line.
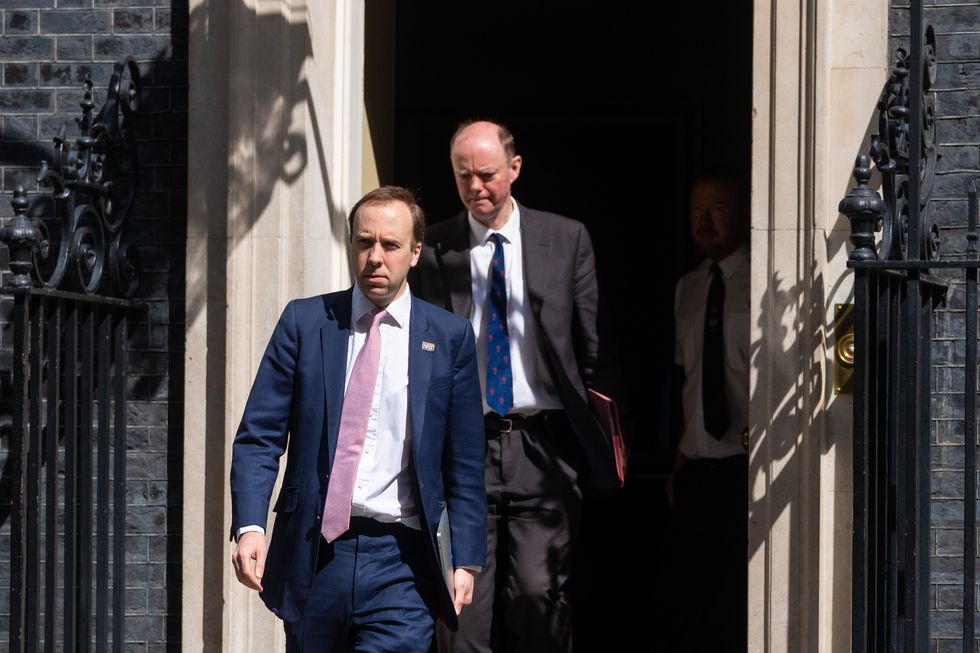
point(428, 346)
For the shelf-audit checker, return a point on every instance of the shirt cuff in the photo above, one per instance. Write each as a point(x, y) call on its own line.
point(474, 568)
point(251, 528)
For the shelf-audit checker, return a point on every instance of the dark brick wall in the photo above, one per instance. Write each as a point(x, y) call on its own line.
point(47, 49)
point(957, 90)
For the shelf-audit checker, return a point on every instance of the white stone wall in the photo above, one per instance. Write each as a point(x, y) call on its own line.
point(818, 69)
point(274, 164)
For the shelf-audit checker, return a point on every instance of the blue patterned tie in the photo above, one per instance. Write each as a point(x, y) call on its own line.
point(500, 390)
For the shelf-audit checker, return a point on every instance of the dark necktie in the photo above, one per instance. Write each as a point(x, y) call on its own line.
point(713, 401)
point(500, 388)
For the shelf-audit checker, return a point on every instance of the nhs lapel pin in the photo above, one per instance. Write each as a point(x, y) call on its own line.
point(428, 346)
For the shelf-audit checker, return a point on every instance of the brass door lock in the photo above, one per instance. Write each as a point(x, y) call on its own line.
point(843, 348)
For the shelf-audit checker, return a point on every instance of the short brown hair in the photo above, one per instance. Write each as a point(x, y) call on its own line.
point(387, 195)
point(503, 134)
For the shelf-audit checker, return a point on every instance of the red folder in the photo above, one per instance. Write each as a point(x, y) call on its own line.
point(605, 410)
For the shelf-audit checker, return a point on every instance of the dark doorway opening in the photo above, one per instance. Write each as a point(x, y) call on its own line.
point(613, 107)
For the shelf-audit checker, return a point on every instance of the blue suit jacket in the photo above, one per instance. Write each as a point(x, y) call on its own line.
point(296, 402)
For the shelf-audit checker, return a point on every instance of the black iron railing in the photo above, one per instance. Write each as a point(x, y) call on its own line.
point(69, 432)
point(71, 278)
point(897, 286)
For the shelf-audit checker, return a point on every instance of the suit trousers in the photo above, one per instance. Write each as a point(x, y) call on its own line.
point(521, 599)
point(374, 590)
point(711, 555)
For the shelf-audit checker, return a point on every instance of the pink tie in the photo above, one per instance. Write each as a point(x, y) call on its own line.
point(353, 427)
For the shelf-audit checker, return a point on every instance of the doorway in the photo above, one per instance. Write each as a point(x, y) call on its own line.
point(613, 108)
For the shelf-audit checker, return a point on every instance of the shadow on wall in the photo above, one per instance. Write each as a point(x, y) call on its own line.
point(792, 408)
point(266, 135)
point(267, 142)
point(787, 413)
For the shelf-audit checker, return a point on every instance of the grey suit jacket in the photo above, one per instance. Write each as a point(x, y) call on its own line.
point(559, 271)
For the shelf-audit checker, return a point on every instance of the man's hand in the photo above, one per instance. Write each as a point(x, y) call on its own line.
point(463, 584)
point(251, 546)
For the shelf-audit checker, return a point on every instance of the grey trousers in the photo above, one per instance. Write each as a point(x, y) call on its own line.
point(521, 599)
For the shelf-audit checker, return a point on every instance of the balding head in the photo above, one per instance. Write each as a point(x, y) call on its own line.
point(503, 134)
point(485, 166)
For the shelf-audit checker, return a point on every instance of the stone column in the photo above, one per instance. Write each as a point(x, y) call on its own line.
point(818, 67)
point(274, 163)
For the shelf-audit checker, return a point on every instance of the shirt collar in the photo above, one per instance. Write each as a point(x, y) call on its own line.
point(731, 263)
point(399, 310)
point(511, 230)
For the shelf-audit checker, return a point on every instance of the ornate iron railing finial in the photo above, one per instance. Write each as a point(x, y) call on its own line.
point(82, 246)
point(891, 150)
point(864, 208)
point(23, 239)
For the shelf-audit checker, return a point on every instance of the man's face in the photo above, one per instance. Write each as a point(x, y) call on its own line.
point(383, 250)
point(716, 222)
point(484, 173)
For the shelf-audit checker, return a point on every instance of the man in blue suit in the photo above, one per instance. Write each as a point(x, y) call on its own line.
point(375, 396)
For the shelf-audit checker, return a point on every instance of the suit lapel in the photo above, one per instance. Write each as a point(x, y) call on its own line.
point(454, 252)
point(334, 340)
point(419, 371)
point(536, 244)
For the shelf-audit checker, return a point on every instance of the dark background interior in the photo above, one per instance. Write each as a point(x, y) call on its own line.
point(613, 107)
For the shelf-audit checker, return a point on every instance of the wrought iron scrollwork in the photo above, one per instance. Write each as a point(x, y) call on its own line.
point(891, 151)
point(82, 244)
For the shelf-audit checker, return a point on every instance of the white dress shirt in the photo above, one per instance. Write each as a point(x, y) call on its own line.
point(534, 389)
point(690, 301)
point(383, 486)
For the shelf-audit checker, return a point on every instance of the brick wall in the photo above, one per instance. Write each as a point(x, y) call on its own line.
point(47, 49)
point(957, 90)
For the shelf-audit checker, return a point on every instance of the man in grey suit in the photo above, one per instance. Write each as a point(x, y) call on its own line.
point(526, 280)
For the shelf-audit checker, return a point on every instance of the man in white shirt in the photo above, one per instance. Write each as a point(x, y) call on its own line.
point(708, 485)
point(376, 395)
point(526, 281)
